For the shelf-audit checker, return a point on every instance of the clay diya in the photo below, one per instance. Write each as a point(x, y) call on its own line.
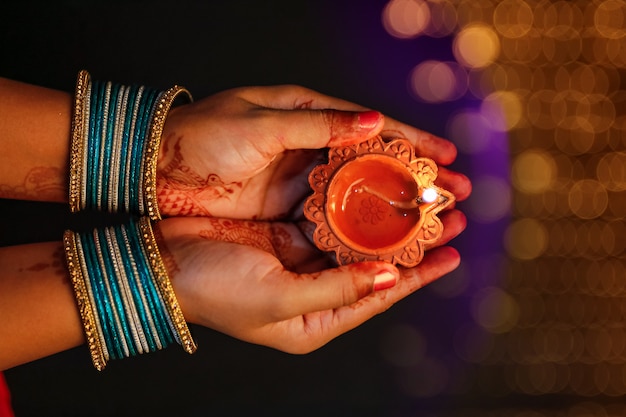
point(376, 201)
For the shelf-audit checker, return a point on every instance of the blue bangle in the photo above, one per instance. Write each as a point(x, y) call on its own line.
point(116, 133)
point(125, 298)
point(146, 279)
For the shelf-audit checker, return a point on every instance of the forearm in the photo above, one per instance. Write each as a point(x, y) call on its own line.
point(38, 313)
point(34, 142)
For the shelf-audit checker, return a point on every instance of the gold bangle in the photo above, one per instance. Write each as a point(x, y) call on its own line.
point(165, 286)
point(77, 145)
point(84, 303)
point(152, 149)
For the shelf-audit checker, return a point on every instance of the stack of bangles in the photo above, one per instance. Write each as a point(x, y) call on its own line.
point(122, 289)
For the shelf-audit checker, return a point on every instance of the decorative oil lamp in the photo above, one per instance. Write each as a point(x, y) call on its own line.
point(376, 201)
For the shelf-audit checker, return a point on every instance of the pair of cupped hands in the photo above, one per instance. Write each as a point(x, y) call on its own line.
point(232, 177)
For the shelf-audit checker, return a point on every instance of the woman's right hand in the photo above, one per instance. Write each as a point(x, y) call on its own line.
point(265, 283)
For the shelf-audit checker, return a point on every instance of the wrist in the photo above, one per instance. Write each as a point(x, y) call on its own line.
point(124, 294)
point(115, 144)
point(171, 131)
point(169, 245)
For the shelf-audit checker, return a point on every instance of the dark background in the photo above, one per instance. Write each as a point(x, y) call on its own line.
point(336, 47)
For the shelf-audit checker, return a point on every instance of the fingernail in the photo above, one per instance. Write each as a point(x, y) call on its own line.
point(368, 119)
point(384, 280)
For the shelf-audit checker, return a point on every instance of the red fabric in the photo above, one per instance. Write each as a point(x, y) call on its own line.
point(5, 399)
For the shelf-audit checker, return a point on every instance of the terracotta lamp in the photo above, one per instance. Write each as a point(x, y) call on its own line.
point(376, 201)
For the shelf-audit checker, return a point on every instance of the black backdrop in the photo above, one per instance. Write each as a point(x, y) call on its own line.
point(338, 48)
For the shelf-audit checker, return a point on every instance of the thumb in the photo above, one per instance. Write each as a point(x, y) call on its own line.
point(313, 129)
point(334, 288)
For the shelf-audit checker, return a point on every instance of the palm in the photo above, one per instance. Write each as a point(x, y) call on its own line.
point(263, 282)
point(237, 268)
point(269, 193)
point(242, 278)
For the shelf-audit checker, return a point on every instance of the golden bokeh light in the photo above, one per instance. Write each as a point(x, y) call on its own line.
point(539, 109)
point(522, 50)
point(560, 13)
point(503, 109)
point(548, 75)
point(573, 135)
point(610, 19)
point(475, 11)
point(511, 77)
point(562, 45)
point(533, 171)
point(406, 18)
point(476, 46)
point(593, 79)
point(611, 171)
point(600, 111)
point(588, 199)
point(443, 18)
point(513, 18)
point(495, 310)
point(614, 51)
point(436, 81)
point(526, 239)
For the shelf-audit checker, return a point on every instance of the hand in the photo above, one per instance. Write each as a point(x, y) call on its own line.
point(264, 283)
point(246, 153)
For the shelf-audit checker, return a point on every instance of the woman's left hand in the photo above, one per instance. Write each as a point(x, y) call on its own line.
point(246, 153)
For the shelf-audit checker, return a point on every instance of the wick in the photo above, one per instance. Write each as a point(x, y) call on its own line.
point(428, 196)
point(407, 205)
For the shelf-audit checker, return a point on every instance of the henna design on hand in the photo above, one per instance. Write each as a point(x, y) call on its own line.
point(341, 127)
point(176, 171)
point(41, 184)
point(174, 202)
point(181, 191)
point(270, 237)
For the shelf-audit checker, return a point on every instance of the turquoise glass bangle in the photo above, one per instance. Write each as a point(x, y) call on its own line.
point(125, 298)
point(161, 319)
point(116, 134)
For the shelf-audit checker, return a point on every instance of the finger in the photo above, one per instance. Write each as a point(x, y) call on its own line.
point(289, 97)
point(426, 144)
point(454, 222)
point(314, 129)
point(435, 264)
point(331, 288)
point(295, 251)
point(457, 183)
point(292, 97)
